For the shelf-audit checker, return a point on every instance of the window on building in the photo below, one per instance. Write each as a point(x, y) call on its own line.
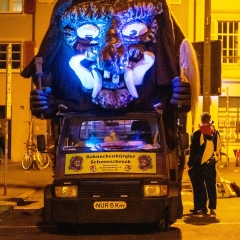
point(11, 5)
point(229, 118)
point(228, 33)
point(16, 56)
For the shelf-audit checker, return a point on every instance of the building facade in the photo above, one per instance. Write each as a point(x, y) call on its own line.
point(23, 24)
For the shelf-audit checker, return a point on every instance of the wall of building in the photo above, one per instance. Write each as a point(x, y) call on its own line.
point(20, 112)
point(42, 19)
point(220, 11)
point(16, 26)
point(182, 12)
point(26, 27)
point(20, 27)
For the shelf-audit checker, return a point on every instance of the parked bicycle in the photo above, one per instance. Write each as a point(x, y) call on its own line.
point(223, 158)
point(34, 158)
point(35, 155)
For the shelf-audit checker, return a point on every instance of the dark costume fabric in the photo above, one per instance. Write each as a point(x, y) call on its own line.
point(66, 88)
point(203, 175)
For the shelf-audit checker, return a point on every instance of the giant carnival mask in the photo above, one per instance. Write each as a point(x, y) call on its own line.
point(114, 54)
point(112, 47)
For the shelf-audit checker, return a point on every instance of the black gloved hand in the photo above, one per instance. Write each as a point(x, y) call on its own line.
point(181, 94)
point(41, 103)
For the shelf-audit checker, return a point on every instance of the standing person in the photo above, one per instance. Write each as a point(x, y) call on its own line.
point(204, 149)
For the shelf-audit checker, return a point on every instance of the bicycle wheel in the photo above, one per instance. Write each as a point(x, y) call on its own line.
point(43, 160)
point(27, 161)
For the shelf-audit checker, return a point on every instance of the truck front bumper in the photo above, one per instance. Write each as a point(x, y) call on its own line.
point(90, 210)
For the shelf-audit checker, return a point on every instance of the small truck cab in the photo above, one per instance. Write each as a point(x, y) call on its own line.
point(113, 169)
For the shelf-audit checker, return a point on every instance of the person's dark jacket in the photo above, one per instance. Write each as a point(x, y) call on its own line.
point(197, 150)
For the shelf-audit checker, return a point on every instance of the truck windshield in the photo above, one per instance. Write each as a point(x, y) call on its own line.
point(112, 134)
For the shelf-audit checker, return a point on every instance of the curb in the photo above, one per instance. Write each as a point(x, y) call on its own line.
point(5, 208)
point(8, 204)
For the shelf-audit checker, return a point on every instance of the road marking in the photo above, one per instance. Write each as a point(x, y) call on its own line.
point(181, 222)
point(177, 223)
point(27, 226)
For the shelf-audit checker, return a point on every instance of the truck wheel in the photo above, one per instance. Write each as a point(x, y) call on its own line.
point(164, 224)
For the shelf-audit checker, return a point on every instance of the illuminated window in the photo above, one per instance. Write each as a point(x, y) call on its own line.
point(16, 56)
point(11, 5)
point(228, 32)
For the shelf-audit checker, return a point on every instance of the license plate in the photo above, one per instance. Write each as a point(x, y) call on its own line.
point(110, 205)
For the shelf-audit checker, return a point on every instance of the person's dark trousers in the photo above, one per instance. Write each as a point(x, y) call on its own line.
point(199, 189)
point(209, 175)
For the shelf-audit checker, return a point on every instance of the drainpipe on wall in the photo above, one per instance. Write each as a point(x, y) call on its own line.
point(194, 40)
point(8, 109)
point(194, 20)
point(207, 57)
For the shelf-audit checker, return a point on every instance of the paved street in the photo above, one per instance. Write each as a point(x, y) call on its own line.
point(28, 184)
point(22, 185)
point(25, 198)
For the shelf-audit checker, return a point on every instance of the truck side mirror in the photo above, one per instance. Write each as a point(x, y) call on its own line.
point(41, 143)
point(184, 140)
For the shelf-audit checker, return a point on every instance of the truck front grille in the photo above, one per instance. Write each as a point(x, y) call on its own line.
point(111, 189)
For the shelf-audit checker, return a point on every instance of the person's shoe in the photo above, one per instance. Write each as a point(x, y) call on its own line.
point(205, 210)
point(212, 213)
point(198, 213)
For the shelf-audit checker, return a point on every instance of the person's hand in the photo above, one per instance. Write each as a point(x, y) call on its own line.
point(39, 101)
point(181, 94)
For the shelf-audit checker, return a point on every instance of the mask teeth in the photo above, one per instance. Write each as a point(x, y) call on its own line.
point(106, 74)
point(157, 105)
point(130, 83)
point(115, 78)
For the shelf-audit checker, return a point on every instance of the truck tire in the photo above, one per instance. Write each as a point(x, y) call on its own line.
point(164, 224)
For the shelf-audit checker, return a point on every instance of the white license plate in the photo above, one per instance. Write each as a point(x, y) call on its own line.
point(110, 205)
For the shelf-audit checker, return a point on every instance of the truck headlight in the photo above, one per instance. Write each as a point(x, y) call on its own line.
point(66, 191)
point(155, 190)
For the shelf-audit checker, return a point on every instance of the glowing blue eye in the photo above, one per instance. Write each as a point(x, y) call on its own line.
point(88, 31)
point(134, 29)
